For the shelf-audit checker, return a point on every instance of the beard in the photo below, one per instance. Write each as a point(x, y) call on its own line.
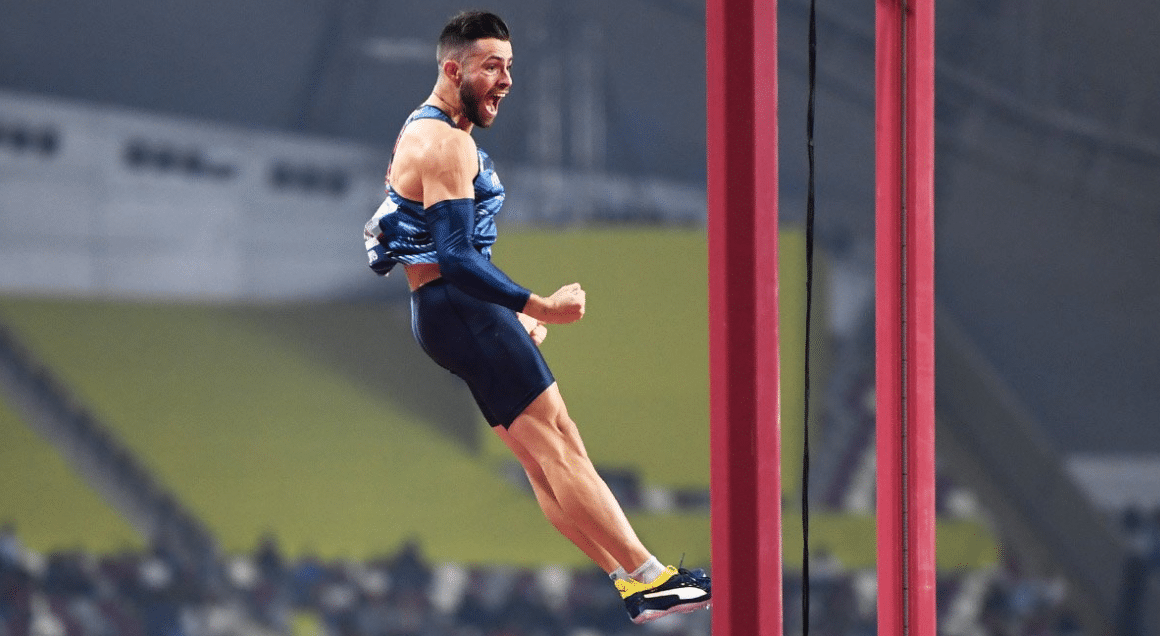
point(473, 107)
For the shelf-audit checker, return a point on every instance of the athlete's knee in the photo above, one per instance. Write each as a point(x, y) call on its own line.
point(551, 440)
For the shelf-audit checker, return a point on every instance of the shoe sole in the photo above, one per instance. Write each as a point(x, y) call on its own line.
point(652, 615)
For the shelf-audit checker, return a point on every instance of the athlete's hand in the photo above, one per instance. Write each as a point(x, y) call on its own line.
point(535, 328)
point(565, 305)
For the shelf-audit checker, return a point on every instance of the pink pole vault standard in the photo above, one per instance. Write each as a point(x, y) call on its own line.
point(904, 283)
point(741, 56)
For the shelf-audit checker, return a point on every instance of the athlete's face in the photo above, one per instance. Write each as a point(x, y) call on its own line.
point(487, 78)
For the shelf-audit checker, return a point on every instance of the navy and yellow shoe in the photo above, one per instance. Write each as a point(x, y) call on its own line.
point(677, 590)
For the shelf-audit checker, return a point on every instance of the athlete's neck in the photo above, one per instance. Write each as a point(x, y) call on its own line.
point(450, 107)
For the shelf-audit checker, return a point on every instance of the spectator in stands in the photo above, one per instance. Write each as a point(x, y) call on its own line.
point(1154, 541)
point(438, 221)
point(11, 550)
point(408, 567)
point(269, 558)
point(1130, 619)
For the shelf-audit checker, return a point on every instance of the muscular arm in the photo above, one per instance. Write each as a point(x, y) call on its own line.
point(449, 168)
point(451, 223)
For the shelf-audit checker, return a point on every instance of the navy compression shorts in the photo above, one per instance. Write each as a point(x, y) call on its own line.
point(482, 343)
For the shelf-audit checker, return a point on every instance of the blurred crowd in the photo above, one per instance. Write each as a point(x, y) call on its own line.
point(149, 593)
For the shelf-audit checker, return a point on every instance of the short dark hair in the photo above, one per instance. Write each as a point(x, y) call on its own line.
point(467, 27)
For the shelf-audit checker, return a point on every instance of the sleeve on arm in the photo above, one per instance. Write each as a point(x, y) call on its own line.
point(451, 224)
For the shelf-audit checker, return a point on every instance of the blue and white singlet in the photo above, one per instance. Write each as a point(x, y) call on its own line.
point(397, 233)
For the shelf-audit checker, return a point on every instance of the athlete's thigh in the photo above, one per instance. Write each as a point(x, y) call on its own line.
point(485, 345)
point(545, 429)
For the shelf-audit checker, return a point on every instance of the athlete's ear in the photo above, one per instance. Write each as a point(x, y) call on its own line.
point(452, 70)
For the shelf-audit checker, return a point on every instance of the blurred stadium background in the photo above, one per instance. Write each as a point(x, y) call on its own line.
point(213, 419)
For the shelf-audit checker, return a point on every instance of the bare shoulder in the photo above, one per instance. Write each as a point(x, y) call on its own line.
point(434, 161)
point(448, 165)
point(432, 139)
point(450, 146)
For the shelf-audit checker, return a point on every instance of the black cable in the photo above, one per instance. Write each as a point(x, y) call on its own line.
point(813, 74)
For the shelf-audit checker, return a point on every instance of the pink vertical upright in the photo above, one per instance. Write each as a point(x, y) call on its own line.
point(904, 282)
point(741, 51)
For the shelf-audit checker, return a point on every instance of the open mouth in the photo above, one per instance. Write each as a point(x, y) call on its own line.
point(493, 101)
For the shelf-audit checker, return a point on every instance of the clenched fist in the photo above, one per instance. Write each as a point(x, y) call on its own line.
point(565, 305)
